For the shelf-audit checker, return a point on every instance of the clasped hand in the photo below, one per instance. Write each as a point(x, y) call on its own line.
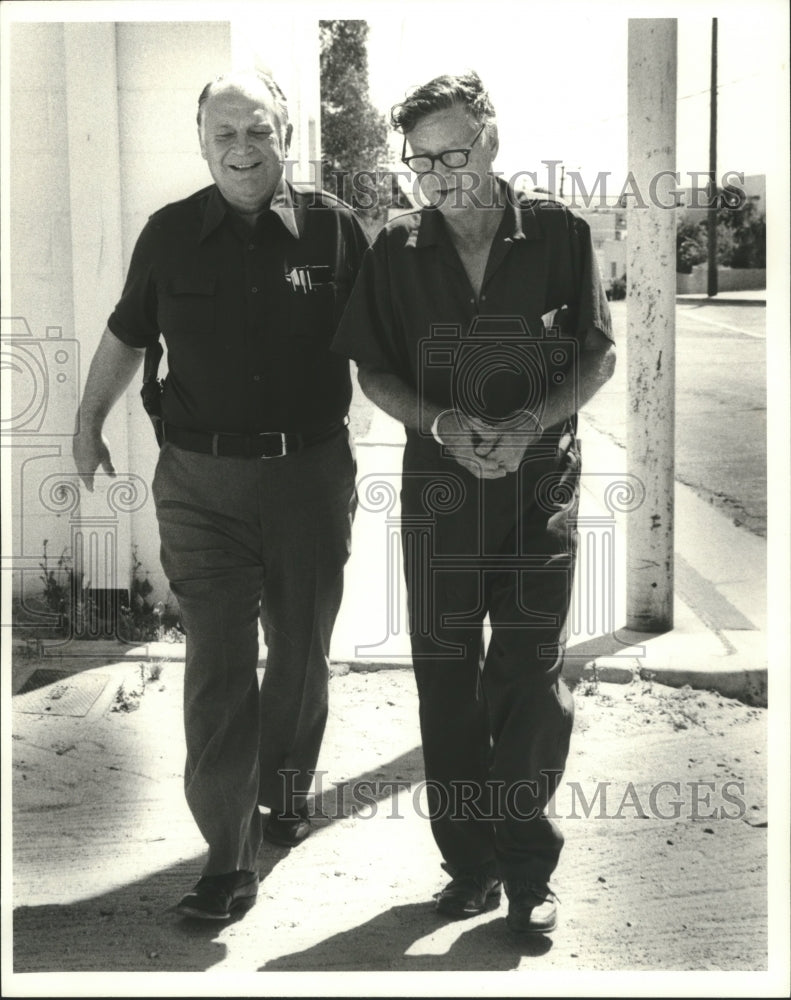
point(487, 450)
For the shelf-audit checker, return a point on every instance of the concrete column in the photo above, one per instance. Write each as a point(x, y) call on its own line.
point(97, 268)
point(651, 305)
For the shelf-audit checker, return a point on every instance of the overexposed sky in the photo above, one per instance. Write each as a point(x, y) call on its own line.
point(558, 77)
point(557, 72)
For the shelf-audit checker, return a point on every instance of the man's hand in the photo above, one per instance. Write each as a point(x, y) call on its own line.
point(507, 442)
point(487, 451)
point(112, 368)
point(91, 450)
point(470, 442)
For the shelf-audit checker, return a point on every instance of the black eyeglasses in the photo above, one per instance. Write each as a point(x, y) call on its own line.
point(453, 158)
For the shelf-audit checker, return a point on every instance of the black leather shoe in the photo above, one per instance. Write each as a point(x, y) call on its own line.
point(531, 908)
point(215, 897)
point(289, 829)
point(468, 894)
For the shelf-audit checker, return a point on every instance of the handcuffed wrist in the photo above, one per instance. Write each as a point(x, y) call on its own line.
point(538, 427)
point(524, 419)
point(435, 428)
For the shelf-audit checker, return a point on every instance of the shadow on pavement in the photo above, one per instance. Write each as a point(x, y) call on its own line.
point(606, 644)
point(94, 934)
point(366, 791)
point(383, 945)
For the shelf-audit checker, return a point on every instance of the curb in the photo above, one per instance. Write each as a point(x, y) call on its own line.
point(721, 300)
point(734, 679)
point(741, 682)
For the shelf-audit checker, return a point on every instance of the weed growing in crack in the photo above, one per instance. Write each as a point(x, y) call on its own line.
point(130, 691)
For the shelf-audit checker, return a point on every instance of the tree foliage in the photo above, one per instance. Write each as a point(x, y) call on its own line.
point(353, 131)
point(741, 237)
point(690, 245)
point(746, 227)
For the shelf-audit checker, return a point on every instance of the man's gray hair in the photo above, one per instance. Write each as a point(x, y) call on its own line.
point(244, 78)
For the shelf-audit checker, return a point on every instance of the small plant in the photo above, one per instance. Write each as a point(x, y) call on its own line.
point(75, 610)
point(58, 584)
point(142, 621)
point(589, 685)
point(68, 608)
point(130, 691)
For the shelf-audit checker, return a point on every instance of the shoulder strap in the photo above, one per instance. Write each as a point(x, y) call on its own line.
point(151, 391)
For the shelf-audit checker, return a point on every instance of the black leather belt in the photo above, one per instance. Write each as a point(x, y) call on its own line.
point(269, 444)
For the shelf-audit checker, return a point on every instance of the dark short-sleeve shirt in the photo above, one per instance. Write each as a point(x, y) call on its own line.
point(413, 311)
point(247, 315)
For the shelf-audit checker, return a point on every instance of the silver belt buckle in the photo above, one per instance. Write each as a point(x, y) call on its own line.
point(282, 444)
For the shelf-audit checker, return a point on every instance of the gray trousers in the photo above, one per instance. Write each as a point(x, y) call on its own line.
point(243, 539)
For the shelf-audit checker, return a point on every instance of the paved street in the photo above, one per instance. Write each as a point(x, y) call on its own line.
point(720, 404)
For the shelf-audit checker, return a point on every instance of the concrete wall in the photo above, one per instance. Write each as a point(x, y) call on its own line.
point(40, 214)
point(40, 350)
point(608, 237)
point(102, 133)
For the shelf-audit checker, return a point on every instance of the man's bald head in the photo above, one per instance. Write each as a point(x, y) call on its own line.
point(250, 82)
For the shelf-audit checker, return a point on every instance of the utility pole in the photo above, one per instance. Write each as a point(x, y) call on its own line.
point(711, 220)
point(651, 322)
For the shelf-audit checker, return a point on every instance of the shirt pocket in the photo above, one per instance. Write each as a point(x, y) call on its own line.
point(188, 306)
point(314, 313)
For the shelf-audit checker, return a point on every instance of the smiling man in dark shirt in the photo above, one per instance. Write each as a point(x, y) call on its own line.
point(254, 487)
point(481, 325)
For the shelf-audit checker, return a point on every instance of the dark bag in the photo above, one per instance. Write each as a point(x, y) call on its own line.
point(151, 392)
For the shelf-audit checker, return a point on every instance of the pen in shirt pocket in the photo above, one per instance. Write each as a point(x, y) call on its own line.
point(306, 277)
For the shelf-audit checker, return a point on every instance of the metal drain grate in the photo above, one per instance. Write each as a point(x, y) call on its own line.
point(58, 692)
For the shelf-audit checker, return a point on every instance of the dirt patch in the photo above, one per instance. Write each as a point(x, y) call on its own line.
point(663, 806)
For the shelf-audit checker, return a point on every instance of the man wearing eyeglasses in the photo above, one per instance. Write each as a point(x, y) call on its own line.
point(480, 323)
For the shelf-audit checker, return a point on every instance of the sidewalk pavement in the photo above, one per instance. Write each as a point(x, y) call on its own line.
point(750, 296)
point(719, 638)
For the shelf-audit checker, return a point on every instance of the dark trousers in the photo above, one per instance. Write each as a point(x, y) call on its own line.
point(243, 539)
point(495, 728)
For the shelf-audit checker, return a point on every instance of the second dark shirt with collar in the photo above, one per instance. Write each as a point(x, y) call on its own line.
point(414, 313)
point(247, 315)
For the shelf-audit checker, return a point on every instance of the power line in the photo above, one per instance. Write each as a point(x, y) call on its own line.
point(721, 86)
point(684, 97)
